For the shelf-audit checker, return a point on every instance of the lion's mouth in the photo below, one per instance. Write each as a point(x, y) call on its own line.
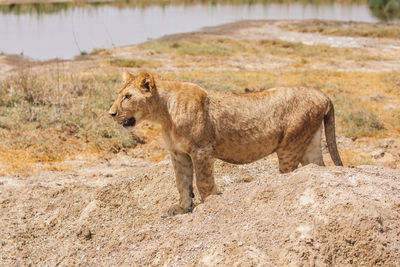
point(129, 122)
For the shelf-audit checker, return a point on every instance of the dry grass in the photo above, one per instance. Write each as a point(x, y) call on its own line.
point(357, 118)
point(332, 82)
point(51, 117)
point(315, 52)
point(220, 48)
point(351, 29)
point(46, 118)
point(354, 159)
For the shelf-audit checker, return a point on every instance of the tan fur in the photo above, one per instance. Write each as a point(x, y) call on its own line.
point(200, 125)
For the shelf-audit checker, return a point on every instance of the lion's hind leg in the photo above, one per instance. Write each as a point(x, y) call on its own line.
point(313, 152)
point(288, 160)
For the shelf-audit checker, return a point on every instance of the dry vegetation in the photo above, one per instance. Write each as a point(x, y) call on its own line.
point(134, 63)
point(351, 29)
point(52, 116)
point(227, 47)
point(49, 117)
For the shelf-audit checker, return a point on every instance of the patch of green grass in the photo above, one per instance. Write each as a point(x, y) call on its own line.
point(218, 47)
point(134, 63)
point(201, 49)
point(157, 46)
point(34, 8)
point(385, 9)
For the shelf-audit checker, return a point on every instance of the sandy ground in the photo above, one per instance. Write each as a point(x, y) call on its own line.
point(110, 211)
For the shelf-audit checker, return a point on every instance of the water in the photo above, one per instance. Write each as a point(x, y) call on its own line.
point(71, 31)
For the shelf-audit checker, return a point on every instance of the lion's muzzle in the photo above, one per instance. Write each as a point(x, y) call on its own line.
point(112, 113)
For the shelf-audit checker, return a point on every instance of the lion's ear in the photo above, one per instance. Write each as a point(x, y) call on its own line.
point(127, 76)
point(146, 84)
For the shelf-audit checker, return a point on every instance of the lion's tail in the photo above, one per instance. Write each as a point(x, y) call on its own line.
point(329, 125)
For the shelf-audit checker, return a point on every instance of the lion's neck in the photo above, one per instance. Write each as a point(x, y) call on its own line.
point(160, 107)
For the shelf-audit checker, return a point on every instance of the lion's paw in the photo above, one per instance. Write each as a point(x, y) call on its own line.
point(178, 209)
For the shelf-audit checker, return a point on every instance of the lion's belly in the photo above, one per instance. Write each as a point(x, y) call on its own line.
point(241, 153)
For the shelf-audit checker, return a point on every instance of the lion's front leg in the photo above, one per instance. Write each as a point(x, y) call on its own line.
point(204, 168)
point(184, 182)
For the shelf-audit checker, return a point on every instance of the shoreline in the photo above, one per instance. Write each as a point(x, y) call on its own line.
point(161, 2)
point(237, 30)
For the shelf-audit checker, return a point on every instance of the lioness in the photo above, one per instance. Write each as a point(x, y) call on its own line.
point(200, 125)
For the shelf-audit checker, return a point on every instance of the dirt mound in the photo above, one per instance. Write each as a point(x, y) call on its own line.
point(110, 213)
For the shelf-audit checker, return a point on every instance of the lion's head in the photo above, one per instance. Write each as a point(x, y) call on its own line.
point(134, 99)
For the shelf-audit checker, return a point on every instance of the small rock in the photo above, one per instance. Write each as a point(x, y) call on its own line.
point(85, 233)
point(388, 143)
point(248, 179)
point(378, 154)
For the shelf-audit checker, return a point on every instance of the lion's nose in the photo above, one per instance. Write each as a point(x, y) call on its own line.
point(112, 113)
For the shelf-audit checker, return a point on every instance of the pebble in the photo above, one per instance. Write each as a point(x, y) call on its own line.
point(378, 154)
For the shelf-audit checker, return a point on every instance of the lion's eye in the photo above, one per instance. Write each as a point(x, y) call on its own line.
point(127, 96)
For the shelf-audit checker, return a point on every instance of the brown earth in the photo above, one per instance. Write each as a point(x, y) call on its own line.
point(109, 210)
point(109, 213)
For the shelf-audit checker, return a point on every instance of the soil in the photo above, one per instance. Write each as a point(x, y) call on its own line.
point(110, 210)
